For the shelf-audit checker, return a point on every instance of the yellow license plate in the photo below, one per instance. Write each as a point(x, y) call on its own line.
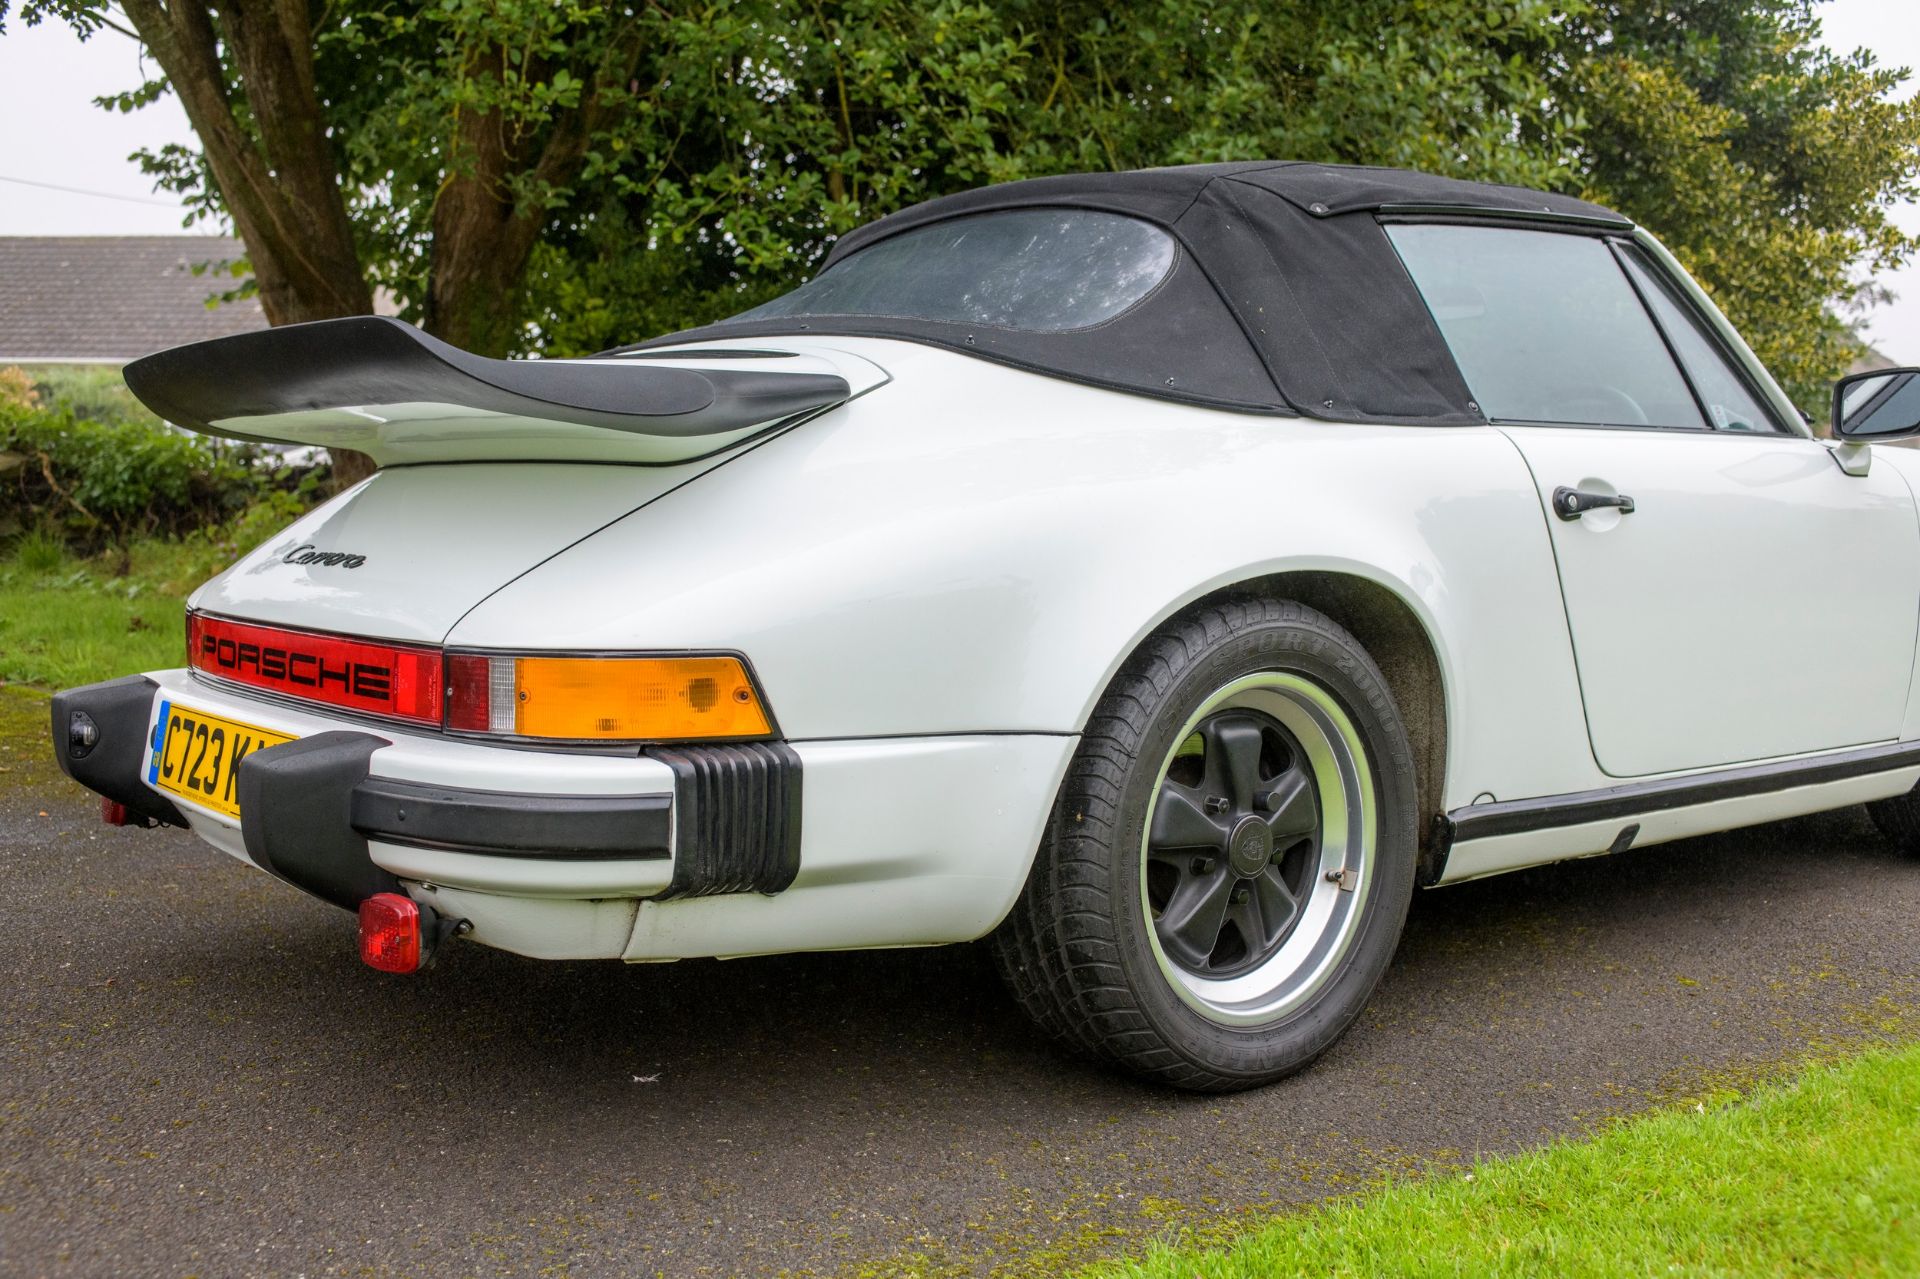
point(197, 756)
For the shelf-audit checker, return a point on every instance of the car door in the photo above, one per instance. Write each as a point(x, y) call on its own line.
point(1732, 594)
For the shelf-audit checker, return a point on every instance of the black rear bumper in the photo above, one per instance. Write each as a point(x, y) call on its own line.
point(100, 739)
point(311, 806)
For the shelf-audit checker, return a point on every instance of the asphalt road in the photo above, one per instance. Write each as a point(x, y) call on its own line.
point(197, 1076)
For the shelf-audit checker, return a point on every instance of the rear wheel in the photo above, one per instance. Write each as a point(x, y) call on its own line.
point(1228, 866)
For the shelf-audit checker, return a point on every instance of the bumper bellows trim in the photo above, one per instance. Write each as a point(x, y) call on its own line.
point(737, 808)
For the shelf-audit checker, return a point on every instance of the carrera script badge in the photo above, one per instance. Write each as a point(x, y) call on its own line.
point(306, 553)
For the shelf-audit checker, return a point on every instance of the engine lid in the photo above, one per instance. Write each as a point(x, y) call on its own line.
point(405, 554)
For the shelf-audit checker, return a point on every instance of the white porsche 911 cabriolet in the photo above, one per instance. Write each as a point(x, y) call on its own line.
point(1163, 573)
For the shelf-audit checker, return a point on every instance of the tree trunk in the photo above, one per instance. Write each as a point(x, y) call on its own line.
point(279, 177)
point(481, 238)
point(484, 233)
point(265, 137)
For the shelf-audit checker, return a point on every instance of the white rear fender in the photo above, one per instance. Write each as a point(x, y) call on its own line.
point(977, 549)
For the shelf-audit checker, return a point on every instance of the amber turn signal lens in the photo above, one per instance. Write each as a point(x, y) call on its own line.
point(605, 698)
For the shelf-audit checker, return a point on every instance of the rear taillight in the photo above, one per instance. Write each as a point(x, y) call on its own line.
point(537, 697)
point(390, 933)
point(604, 698)
point(400, 681)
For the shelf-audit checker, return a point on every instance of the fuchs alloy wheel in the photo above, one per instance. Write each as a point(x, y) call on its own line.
point(1227, 870)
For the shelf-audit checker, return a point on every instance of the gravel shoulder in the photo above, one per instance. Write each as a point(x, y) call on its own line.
point(198, 1077)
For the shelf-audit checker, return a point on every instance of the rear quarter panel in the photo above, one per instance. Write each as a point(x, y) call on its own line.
point(974, 548)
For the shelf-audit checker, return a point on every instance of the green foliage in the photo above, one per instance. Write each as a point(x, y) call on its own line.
point(269, 512)
point(82, 462)
point(1762, 160)
point(773, 127)
point(654, 167)
point(95, 391)
point(1820, 1177)
point(39, 552)
point(112, 479)
point(411, 89)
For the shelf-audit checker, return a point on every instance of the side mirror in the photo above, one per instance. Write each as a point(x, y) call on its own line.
point(1881, 405)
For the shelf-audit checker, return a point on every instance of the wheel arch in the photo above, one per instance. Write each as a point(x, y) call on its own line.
point(1397, 634)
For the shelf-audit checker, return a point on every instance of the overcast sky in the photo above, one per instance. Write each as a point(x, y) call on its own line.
point(53, 135)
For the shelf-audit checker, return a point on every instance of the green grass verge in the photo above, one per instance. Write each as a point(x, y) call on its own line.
point(1820, 1176)
point(66, 621)
point(26, 755)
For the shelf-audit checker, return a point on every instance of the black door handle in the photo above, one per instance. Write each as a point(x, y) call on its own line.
point(1571, 504)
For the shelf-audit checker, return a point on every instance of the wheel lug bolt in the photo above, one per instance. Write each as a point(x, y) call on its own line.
point(1203, 865)
point(1239, 897)
point(1217, 804)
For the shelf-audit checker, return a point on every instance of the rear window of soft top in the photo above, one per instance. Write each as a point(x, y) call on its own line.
point(1036, 270)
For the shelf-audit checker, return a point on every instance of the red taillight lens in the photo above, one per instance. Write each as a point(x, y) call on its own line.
point(469, 694)
point(390, 933)
point(397, 680)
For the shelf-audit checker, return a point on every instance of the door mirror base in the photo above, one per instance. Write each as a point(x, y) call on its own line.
point(1852, 456)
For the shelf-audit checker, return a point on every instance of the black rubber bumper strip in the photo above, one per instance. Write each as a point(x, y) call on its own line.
point(311, 807)
point(100, 739)
point(503, 823)
point(1641, 799)
point(1637, 799)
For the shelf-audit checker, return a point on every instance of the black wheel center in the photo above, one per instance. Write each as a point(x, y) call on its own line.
point(1232, 844)
point(1250, 847)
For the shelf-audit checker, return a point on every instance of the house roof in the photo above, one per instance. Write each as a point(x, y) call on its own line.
point(115, 298)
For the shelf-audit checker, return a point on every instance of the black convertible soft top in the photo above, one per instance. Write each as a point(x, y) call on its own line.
point(1286, 297)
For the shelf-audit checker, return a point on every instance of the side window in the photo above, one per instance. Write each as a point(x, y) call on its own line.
point(1729, 405)
point(1545, 327)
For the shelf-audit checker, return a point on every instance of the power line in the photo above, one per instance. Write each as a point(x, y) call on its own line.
point(104, 195)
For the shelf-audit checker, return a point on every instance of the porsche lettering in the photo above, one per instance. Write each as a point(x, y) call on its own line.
point(308, 670)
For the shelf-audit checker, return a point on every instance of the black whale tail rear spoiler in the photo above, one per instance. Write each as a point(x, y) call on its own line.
point(385, 388)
